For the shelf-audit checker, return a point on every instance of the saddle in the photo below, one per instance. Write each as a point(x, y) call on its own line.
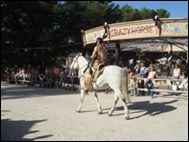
point(91, 76)
point(98, 71)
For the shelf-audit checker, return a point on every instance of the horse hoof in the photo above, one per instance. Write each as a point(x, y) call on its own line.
point(99, 112)
point(109, 114)
point(127, 118)
point(78, 111)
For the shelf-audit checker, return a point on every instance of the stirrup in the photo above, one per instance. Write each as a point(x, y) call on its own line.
point(101, 66)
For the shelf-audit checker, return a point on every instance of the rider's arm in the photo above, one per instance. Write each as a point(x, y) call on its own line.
point(94, 52)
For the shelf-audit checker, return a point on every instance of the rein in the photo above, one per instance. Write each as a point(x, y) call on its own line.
point(82, 66)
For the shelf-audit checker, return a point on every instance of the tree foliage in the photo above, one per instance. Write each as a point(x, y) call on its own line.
point(39, 30)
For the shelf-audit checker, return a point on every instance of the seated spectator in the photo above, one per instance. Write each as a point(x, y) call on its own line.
point(149, 83)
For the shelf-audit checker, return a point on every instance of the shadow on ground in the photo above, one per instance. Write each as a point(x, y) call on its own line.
point(148, 108)
point(12, 130)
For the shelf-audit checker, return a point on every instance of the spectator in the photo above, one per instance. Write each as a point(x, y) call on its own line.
point(170, 70)
point(149, 83)
point(132, 80)
point(137, 68)
point(158, 68)
point(142, 70)
point(176, 72)
point(142, 73)
point(176, 75)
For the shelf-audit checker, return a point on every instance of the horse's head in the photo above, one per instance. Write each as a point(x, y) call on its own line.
point(79, 62)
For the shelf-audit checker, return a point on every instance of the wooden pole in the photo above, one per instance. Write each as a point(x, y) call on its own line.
point(187, 56)
point(171, 48)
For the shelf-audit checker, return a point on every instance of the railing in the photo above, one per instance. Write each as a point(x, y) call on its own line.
point(162, 85)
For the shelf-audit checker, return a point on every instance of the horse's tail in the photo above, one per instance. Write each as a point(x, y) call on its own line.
point(124, 84)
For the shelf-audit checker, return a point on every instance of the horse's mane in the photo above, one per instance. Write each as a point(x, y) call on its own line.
point(84, 56)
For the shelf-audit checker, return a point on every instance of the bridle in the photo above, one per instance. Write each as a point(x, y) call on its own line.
point(77, 56)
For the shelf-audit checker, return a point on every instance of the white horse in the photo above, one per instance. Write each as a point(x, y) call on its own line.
point(114, 76)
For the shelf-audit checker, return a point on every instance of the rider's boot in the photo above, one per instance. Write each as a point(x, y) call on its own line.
point(96, 75)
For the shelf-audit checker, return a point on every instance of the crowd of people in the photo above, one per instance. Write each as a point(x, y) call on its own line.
point(175, 68)
point(58, 76)
point(52, 76)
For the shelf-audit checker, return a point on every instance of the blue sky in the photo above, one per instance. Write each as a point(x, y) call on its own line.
point(177, 9)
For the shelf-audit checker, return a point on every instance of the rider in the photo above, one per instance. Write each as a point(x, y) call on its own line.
point(99, 56)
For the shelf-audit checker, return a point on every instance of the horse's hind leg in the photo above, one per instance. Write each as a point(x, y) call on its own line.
point(125, 107)
point(81, 101)
point(116, 98)
point(98, 105)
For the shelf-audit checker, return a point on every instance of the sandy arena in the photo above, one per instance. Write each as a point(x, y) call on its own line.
point(34, 113)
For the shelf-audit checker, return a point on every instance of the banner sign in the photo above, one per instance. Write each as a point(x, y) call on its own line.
point(139, 30)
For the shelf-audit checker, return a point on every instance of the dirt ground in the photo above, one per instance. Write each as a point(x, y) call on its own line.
point(34, 113)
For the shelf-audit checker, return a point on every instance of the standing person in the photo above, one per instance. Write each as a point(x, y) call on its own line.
point(170, 70)
point(142, 70)
point(133, 82)
point(176, 72)
point(142, 73)
point(176, 75)
point(137, 68)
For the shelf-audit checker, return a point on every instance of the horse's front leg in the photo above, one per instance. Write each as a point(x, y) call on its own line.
point(81, 101)
point(97, 101)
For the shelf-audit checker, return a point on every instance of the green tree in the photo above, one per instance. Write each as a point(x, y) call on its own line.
point(163, 13)
point(127, 13)
point(145, 13)
point(130, 14)
point(39, 30)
